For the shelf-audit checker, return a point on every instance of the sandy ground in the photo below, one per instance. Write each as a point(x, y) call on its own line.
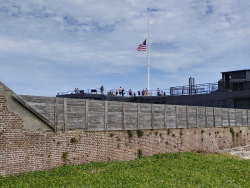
point(244, 152)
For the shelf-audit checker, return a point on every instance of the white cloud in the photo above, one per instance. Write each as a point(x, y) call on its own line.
point(55, 44)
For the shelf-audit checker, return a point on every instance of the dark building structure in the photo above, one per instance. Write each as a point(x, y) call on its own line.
point(232, 91)
point(235, 80)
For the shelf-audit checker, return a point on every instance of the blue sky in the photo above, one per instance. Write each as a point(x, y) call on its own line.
point(48, 47)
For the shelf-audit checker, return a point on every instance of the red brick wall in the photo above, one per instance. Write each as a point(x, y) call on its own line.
point(24, 151)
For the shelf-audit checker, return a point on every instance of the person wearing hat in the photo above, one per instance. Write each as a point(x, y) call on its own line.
point(158, 92)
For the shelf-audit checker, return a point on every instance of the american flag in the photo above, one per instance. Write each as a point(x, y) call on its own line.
point(142, 46)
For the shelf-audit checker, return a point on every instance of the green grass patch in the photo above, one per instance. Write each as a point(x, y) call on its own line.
point(161, 170)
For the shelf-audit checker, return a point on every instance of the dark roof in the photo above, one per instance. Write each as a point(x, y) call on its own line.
point(237, 71)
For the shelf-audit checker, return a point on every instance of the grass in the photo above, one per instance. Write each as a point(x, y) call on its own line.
point(161, 170)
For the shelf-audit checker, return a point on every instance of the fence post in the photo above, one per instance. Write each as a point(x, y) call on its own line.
point(197, 116)
point(241, 118)
point(65, 114)
point(176, 117)
point(221, 123)
point(138, 116)
point(56, 113)
point(213, 118)
point(206, 116)
point(235, 118)
point(106, 116)
point(247, 119)
point(123, 115)
point(86, 114)
point(187, 118)
point(165, 125)
point(152, 116)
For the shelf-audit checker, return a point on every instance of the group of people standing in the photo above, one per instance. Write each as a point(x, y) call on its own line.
point(140, 93)
point(160, 93)
point(121, 92)
point(76, 90)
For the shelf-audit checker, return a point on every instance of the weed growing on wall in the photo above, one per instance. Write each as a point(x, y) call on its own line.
point(111, 135)
point(139, 133)
point(139, 153)
point(72, 140)
point(156, 132)
point(130, 134)
point(232, 131)
point(118, 139)
point(168, 131)
point(64, 155)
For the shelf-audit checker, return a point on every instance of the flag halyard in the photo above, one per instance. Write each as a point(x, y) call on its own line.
point(142, 46)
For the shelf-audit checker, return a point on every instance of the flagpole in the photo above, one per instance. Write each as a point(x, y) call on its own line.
point(148, 49)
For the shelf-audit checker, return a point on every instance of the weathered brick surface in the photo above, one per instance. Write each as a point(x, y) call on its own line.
point(24, 151)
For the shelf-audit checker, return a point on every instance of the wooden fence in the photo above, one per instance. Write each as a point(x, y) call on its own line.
point(94, 115)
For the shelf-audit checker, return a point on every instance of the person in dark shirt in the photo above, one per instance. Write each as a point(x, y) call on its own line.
point(130, 92)
point(102, 89)
point(122, 91)
point(143, 92)
point(158, 92)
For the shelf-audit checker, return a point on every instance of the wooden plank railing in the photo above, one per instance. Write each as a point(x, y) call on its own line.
point(94, 115)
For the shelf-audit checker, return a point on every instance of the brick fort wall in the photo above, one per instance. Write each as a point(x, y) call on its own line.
point(31, 150)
